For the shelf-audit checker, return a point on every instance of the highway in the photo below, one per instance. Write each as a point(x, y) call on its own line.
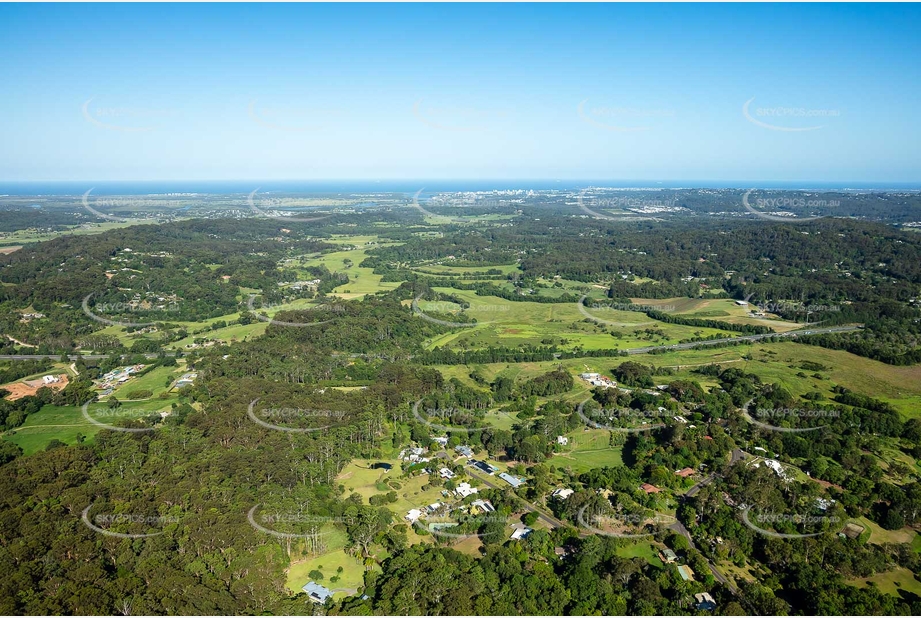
point(792, 333)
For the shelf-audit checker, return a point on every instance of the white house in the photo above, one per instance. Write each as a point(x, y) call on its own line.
point(464, 489)
point(562, 493)
point(413, 515)
point(521, 533)
point(562, 440)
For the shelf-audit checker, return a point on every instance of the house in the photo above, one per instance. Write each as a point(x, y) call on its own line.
point(705, 601)
point(50, 379)
point(686, 573)
point(484, 505)
point(667, 556)
point(560, 552)
point(511, 480)
point(441, 440)
point(681, 419)
point(521, 533)
point(650, 489)
point(464, 489)
point(446, 474)
point(484, 467)
point(562, 440)
point(742, 303)
point(413, 515)
point(316, 592)
point(433, 508)
point(685, 472)
point(466, 451)
point(562, 493)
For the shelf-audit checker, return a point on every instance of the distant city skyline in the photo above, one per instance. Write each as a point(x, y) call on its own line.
point(730, 94)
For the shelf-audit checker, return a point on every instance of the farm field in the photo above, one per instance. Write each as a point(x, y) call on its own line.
point(647, 551)
point(65, 423)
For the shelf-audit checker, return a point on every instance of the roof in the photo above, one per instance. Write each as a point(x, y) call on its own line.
point(686, 472)
point(511, 480)
point(686, 573)
point(520, 533)
point(650, 489)
point(316, 592)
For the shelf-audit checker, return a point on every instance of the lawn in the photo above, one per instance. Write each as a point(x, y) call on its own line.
point(65, 423)
point(588, 449)
point(647, 551)
point(350, 580)
point(891, 582)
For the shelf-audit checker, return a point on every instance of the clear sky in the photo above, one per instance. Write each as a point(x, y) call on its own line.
point(646, 92)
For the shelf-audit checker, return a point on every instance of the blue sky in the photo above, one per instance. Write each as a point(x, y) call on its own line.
point(645, 92)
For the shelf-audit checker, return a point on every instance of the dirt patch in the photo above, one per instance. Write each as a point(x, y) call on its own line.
point(5, 250)
point(18, 390)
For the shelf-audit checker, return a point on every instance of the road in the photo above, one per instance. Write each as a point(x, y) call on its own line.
point(72, 357)
point(736, 456)
point(792, 333)
point(550, 520)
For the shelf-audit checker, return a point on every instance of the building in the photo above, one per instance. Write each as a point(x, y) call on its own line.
point(562, 493)
point(316, 592)
point(667, 556)
point(413, 515)
point(705, 601)
point(511, 480)
point(742, 303)
point(562, 440)
point(650, 489)
point(521, 533)
point(464, 489)
point(446, 474)
point(466, 451)
point(686, 573)
point(441, 440)
point(484, 505)
point(685, 472)
point(433, 508)
point(484, 467)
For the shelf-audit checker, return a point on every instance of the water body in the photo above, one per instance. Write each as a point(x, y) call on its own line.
point(410, 187)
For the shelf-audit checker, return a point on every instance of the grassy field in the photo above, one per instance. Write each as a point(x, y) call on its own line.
point(362, 280)
point(357, 477)
point(587, 449)
point(65, 423)
point(647, 551)
point(350, 580)
point(891, 582)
